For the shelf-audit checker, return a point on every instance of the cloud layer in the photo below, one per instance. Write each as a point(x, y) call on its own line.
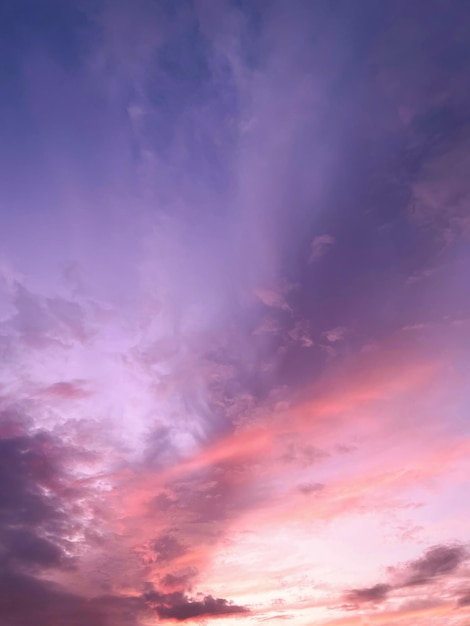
point(234, 312)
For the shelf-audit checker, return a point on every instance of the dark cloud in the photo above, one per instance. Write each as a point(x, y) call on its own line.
point(437, 561)
point(377, 593)
point(25, 600)
point(27, 467)
point(179, 607)
point(33, 529)
point(180, 579)
point(37, 515)
point(168, 548)
point(34, 524)
point(22, 546)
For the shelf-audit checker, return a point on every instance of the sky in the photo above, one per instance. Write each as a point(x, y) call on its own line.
point(234, 312)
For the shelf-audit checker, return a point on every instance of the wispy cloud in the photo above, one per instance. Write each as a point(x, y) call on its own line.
point(320, 245)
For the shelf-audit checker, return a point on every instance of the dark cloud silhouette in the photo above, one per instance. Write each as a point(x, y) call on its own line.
point(178, 606)
point(25, 600)
point(375, 594)
point(437, 561)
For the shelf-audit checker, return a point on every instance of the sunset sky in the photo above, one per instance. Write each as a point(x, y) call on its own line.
point(235, 312)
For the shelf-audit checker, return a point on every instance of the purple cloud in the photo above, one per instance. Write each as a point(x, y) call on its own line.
point(179, 607)
point(437, 561)
point(376, 594)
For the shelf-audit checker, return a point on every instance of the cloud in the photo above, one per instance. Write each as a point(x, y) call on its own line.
point(180, 579)
point(464, 600)
point(66, 390)
point(335, 334)
point(178, 606)
point(36, 524)
point(27, 467)
point(274, 298)
point(24, 547)
point(167, 548)
point(320, 245)
point(301, 334)
point(437, 561)
point(376, 594)
point(441, 192)
point(39, 515)
point(166, 393)
point(309, 488)
point(25, 600)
